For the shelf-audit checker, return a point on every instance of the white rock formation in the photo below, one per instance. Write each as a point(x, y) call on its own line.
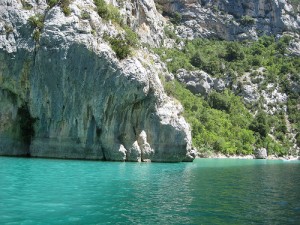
point(68, 96)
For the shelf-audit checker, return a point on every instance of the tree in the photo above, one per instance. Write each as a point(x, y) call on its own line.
point(197, 60)
point(234, 52)
point(260, 124)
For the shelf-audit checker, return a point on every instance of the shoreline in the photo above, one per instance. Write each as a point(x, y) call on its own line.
point(223, 156)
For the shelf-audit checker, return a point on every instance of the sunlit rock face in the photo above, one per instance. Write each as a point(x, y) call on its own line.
point(233, 19)
point(67, 95)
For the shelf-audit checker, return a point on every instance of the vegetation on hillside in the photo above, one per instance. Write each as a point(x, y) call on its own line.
point(221, 121)
point(64, 5)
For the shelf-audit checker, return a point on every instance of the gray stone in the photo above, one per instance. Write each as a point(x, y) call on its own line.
point(200, 82)
point(224, 18)
point(261, 153)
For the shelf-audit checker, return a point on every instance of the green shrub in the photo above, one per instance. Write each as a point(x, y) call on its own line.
point(120, 46)
point(247, 20)
point(85, 15)
point(169, 33)
point(108, 11)
point(8, 28)
point(36, 35)
point(219, 101)
point(260, 124)
point(197, 60)
point(234, 52)
point(37, 21)
point(176, 18)
point(298, 139)
point(26, 5)
point(52, 3)
point(131, 37)
point(64, 5)
point(102, 8)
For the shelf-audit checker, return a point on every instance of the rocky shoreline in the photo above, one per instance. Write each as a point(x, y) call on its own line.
point(223, 156)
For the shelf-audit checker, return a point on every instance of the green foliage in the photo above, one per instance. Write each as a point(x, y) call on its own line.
point(169, 33)
point(37, 21)
point(26, 5)
point(159, 7)
point(298, 139)
point(8, 28)
point(260, 124)
point(131, 37)
point(36, 35)
point(247, 20)
point(233, 59)
point(122, 43)
point(85, 15)
point(197, 61)
point(120, 46)
point(52, 3)
point(102, 8)
point(64, 5)
point(219, 101)
point(234, 51)
point(176, 18)
point(108, 11)
point(224, 131)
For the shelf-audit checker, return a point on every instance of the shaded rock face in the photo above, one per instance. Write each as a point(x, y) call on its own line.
point(233, 19)
point(68, 96)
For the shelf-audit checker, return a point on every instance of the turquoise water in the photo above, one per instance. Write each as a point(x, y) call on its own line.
point(207, 191)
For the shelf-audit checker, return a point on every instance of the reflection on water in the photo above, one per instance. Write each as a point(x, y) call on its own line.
point(207, 191)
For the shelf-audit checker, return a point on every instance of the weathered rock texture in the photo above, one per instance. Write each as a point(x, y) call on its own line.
point(68, 96)
point(200, 82)
point(233, 19)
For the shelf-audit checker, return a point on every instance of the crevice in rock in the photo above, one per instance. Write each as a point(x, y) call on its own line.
point(26, 123)
point(103, 153)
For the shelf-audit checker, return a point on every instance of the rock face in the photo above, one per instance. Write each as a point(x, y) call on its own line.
point(233, 19)
point(261, 153)
point(68, 96)
point(143, 17)
point(200, 82)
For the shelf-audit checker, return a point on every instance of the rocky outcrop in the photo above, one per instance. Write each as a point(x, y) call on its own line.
point(261, 153)
point(233, 19)
point(66, 95)
point(143, 17)
point(200, 82)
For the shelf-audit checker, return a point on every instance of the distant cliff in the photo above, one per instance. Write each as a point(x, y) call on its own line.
point(233, 19)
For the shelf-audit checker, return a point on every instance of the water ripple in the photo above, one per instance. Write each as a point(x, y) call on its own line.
point(208, 191)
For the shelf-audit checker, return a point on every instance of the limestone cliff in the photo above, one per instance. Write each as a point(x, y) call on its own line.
point(64, 93)
point(233, 19)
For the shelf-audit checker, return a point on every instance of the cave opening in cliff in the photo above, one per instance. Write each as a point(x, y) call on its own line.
point(26, 123)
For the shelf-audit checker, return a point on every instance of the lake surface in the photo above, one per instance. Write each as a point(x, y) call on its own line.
point(207, 191)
